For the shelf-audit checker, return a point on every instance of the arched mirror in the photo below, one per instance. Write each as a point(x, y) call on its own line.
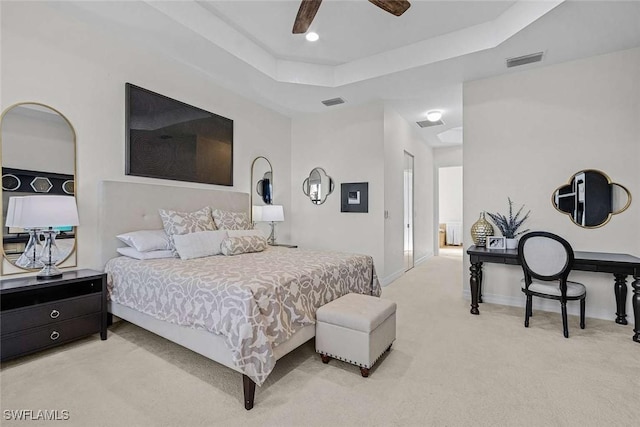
point(590, 198)
point(261, 183)
point(38, 156)
point(318, 186)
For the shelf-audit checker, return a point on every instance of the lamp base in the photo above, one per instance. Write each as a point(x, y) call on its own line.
point(49, 272)
point(271, 240)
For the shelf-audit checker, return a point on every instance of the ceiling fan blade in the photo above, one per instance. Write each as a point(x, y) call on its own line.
point(396, 7)
point(306, 13)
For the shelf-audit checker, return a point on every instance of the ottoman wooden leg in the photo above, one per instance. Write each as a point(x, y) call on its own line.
point(364, 372)
point(325, 358)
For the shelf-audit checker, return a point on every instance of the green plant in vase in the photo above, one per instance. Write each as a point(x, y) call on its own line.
point(509, 226)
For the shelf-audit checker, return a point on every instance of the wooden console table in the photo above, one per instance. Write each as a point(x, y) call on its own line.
point(621, 265)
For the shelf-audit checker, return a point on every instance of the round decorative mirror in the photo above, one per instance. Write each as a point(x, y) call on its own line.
point(38, 156)
point(318, 186)
point(590, 198)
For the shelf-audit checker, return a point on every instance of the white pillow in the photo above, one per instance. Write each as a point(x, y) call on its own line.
point(243, 245)
point(132, 253)
point(146, 240)
point(199, 244)
point(242, 233)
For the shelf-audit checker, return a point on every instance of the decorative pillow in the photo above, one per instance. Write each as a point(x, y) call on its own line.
point(133, 253)
point(242, 233)
point(226, 220)
point(146, 240)
point(243, 245)
point(199, 244)
point(185, 222)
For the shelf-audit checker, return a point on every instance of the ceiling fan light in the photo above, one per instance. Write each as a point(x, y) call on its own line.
point(312, 37)
point(434, 115)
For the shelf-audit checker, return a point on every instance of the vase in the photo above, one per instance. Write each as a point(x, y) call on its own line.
point(512, 243)
point(480, 230)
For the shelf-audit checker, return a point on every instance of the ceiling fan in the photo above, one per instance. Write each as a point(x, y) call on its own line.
point(308, 9)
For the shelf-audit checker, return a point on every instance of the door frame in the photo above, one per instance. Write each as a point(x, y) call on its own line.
point(412, 211)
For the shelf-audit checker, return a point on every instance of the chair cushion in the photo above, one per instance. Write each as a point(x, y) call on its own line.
point(356, 311)
point(544, 256)
point(574, 289)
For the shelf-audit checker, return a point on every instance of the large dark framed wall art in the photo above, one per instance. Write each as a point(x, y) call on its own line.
point(169, 139)
point(354, 197)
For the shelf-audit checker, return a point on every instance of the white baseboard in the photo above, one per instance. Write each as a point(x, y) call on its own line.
point(386, 281)
point(423, 258)
point(390, 278)
point(573, 307)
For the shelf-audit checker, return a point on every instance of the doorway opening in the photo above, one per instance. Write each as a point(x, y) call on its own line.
point(408, 212)
point(450, 211)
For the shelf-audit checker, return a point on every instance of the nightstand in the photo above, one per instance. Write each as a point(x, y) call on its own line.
point(284, 245)
point(39, 314)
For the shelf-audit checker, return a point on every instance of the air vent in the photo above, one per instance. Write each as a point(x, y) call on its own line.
point(427, 123)
point(522, 60)
point(332, 102)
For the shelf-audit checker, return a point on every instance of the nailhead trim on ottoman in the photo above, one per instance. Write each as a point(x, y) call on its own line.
point(356, 328)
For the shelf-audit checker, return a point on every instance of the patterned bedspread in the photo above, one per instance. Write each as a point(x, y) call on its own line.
point(256, 301)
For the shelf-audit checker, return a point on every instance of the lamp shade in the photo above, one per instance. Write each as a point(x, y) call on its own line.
point(42, 211)
point(272, 213)
point(256, 213)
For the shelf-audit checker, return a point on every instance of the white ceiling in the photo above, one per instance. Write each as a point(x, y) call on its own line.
point(415, 63)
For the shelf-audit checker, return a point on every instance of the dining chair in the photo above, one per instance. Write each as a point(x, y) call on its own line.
point(546, 260)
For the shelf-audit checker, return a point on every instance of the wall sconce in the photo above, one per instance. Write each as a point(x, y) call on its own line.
point(44, 214)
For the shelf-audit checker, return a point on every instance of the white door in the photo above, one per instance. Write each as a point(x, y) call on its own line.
point(408, 211)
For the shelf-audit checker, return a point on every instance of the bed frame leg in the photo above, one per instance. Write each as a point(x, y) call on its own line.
point(249, 391)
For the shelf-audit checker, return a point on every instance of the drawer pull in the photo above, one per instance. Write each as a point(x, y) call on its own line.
point(54, 314)
point(54, 335)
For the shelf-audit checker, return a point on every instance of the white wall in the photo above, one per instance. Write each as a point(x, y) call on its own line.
point(362, 144)
point(400, 136)
point(63, 63)
point(450, 191)
point(539, 127)
point(348, 144)
point(445, 157)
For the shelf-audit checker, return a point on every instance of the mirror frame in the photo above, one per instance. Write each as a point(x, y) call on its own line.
point(306, 190)
point(626, 206)
point(74, 249)
point(251, 184)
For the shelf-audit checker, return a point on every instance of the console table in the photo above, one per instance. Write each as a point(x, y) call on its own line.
point(621, 265)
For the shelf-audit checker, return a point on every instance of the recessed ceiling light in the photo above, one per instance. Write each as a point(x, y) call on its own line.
point(434, 115)
point(312, 37)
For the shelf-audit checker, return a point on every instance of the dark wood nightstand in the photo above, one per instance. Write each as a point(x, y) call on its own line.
point(38, 314)
point(284, 245)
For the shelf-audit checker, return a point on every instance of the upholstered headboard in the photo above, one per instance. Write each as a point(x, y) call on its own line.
point(128, 206)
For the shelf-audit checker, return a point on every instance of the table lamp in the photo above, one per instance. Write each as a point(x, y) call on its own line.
point(272, 214)
point(30, 258)
point(256, 214)
point(43, 213)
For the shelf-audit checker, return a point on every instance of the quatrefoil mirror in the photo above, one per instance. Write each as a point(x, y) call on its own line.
point(318, 186)
point(591, 198)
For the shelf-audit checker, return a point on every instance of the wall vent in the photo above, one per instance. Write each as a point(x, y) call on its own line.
point(522, 60)
point(333, 101)
point(427, 123)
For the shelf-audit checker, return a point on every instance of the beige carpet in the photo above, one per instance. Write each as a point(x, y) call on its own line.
point(447, 368)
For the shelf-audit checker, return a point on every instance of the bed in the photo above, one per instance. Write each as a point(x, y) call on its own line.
point(244, 311)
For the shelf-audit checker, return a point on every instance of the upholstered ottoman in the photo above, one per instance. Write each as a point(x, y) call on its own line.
point(355, 328)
